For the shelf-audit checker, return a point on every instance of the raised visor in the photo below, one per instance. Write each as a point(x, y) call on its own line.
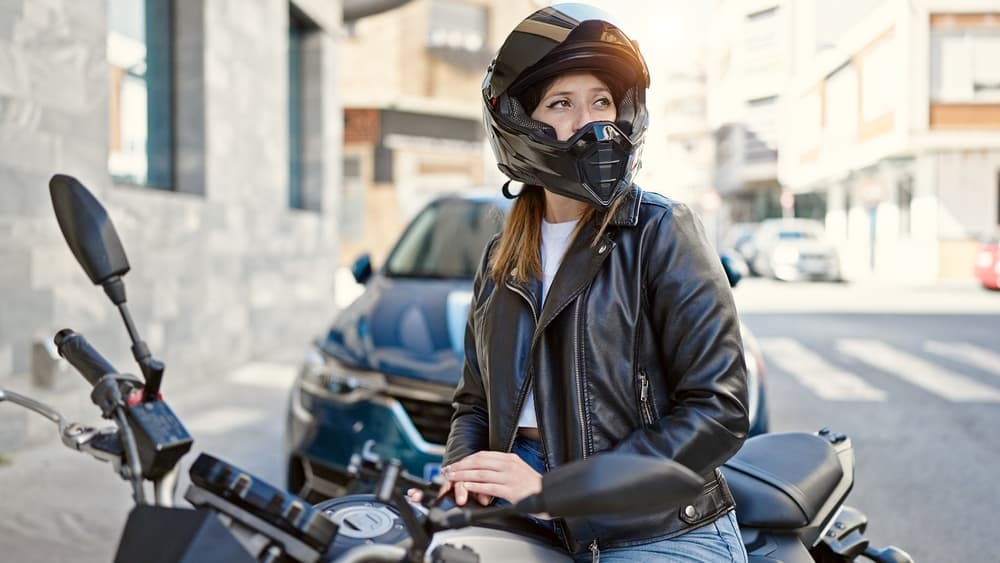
point(781, 481)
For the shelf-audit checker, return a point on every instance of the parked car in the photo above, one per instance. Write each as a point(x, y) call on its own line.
point(988, 262)
point(739, 240)
point(388, 365)
point(794, 249)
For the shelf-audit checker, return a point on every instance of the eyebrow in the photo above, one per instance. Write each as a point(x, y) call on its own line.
point(570, 92)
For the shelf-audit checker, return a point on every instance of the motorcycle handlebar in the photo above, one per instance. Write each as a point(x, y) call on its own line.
point(78, 352)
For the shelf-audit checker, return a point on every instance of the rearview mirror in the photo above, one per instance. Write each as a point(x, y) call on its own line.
point(732, 272)
point(362, 268)
point(88, 230)
point(613, 483)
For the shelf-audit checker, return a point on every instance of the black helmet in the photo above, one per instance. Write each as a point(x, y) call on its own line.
point(599, 162)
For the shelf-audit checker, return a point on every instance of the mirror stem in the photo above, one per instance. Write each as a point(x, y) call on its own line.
point(152, 370)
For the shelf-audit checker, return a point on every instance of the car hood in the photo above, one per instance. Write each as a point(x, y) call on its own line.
point(404, 327)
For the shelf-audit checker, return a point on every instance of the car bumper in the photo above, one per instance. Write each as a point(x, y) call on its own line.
point(325, 430)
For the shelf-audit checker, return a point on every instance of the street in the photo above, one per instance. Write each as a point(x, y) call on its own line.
point(912, 375)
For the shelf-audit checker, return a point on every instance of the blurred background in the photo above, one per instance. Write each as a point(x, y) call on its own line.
point(249, 152)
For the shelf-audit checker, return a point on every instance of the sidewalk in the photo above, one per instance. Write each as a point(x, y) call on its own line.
point(756, 295)
point(61, 505)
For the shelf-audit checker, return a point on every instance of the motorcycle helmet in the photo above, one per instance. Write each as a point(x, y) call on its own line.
point(598, 163)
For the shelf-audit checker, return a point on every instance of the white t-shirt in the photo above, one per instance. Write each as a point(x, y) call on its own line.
point(555, 239)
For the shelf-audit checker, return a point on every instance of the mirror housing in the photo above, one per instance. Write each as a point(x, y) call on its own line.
point(732, 272)
point(362, 268)
point(88, 230)
point(613, 483)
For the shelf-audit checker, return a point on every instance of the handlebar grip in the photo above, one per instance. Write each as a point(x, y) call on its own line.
point(78, 352)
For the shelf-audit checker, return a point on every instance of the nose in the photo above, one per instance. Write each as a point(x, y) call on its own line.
point(583, 116)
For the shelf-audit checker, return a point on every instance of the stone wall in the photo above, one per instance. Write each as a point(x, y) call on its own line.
point(222, 269)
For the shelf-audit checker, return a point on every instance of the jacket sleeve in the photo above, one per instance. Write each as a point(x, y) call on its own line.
point(694, 318)
point(470, 421)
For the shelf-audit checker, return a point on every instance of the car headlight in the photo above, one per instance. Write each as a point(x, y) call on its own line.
point(330, 376)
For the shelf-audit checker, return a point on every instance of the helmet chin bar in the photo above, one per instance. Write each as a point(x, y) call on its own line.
point(602, 152)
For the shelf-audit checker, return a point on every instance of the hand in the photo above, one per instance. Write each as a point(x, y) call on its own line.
point(496, 474)
point(416, 495)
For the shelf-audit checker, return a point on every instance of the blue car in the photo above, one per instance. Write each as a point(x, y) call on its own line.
point(386, 369)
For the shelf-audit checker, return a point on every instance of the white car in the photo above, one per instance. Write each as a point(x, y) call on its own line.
point(794, 249)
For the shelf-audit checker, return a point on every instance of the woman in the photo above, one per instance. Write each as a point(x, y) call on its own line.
point(601, 318)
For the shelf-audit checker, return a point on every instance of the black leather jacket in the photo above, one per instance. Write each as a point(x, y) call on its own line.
point(637, 349)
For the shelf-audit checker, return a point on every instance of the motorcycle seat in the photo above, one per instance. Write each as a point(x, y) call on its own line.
point(781, 481)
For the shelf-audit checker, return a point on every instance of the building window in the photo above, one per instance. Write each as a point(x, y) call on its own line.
point(761, 140)
point(456, 33)
point(304, 112)
point(761, 42)
point(141, 92)
point(964, 67)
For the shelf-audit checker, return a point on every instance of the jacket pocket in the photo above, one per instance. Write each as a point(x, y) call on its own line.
point(646, 408)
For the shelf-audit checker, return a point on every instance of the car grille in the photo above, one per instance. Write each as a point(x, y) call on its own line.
point(432, 419)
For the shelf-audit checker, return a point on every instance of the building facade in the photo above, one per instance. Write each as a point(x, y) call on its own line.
point(895, 129)
point(211, 131)
point(413, 113)
point(754, 47)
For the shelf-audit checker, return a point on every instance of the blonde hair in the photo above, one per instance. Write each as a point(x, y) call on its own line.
point(518, 252)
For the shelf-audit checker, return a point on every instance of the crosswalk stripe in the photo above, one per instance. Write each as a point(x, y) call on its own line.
point(966, 353)
point(919, 372)
point(815, 373)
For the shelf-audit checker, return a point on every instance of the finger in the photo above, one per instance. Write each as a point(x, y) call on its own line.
point(484, 500)
point(415, 494)
point(461, 494)
point(496, 461)
point(480, 476)
point(444, 489)
point(489, 489)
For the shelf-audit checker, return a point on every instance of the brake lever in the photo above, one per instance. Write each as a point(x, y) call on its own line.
point(103, 444)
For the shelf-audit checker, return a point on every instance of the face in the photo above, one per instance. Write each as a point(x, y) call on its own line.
point(572, 101)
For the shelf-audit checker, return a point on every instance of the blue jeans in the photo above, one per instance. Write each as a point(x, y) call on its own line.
point(717, 541)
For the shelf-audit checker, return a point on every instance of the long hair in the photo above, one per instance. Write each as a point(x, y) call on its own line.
point(518, 253)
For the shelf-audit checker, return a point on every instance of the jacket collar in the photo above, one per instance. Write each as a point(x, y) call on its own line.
point(628, 212)
point(579, 265)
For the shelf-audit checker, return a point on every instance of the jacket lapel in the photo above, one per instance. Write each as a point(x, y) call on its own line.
point(579, 266)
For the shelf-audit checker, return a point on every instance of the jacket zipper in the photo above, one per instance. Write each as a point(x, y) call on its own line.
point(522, 396)
point(579, 382)
point(645, 407)
point(595, 551)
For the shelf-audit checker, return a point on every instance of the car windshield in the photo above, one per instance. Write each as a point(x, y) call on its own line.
point(446, 240)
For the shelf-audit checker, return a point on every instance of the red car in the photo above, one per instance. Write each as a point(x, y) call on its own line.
point(988, 262)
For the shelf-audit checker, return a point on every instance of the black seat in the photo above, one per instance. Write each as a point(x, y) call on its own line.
point(780, 481)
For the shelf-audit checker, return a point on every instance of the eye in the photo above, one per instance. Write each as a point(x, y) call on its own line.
point(604, 103)
point(560, 103)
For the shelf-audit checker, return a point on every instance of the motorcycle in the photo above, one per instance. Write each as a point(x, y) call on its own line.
point(789, 488)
